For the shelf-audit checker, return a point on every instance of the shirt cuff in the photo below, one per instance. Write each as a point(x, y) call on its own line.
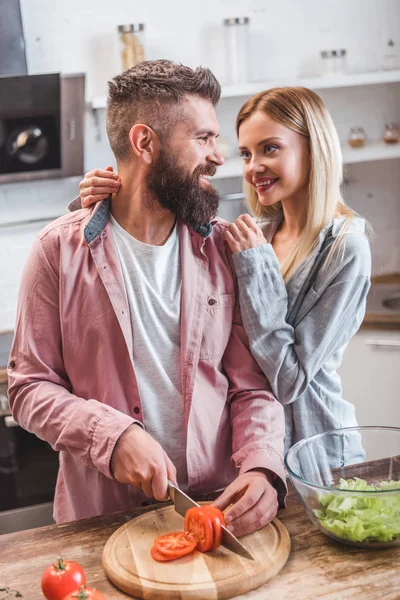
point(253, 259)
point(106, 434)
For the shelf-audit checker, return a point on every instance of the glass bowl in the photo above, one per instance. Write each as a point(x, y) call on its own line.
point(349, 483)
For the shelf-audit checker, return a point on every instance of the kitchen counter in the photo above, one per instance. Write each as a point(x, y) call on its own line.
point(318, 567)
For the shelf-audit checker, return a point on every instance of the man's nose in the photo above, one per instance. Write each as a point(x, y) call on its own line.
point(215, 156)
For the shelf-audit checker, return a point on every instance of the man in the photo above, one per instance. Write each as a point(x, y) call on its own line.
point(129, 355)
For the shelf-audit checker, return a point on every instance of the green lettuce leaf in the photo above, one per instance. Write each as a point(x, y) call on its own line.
point(361, 519)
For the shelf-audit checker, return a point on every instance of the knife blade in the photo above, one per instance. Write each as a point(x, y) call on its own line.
point(182, 502)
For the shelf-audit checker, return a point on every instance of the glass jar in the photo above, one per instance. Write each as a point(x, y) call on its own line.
point(237, 50)
point(333, 61)
point(357, 137)
point(391, 134)
point(132, 44)
point(390, 56)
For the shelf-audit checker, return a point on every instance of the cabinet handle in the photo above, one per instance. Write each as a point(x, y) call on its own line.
point(9, 422)
point(392, 344)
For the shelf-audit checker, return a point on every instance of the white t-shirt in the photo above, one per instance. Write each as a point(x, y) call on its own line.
point(152, 276)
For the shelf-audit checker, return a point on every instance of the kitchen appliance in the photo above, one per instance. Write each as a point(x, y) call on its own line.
point(28, 469)
point(41, 126)
point(182, 503)
point(12, 43)
point(127, 561)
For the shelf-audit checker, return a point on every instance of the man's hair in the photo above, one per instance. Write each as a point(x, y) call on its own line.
point(153, 93)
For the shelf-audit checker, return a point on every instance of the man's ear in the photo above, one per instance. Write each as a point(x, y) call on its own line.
point(144, 142)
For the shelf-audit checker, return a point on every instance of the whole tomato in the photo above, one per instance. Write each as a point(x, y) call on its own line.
point(60, 579)
point(86, 593)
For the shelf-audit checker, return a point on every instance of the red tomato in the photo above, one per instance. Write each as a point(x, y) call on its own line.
point(172, 545)
point(199, 524)
point(85, 593)
point(217, 519)
point(60, 579)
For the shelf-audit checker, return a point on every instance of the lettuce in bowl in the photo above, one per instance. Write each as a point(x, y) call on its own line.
point(361, 518)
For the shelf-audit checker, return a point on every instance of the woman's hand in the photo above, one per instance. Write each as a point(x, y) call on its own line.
point(244, 233)
point(98, 185)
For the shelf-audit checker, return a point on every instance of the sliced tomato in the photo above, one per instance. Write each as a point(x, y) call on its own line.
point(173, 545)
point(199, 524)
point(217, 519)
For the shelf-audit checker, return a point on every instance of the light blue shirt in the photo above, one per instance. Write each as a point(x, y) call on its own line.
point(298, 331)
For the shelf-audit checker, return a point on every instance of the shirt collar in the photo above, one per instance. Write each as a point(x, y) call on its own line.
point(101, 214)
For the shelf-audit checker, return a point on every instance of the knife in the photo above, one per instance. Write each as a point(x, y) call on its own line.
point(182, 503)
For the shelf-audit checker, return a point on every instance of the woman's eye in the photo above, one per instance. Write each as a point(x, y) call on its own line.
point(244, 154)
point(270, 149)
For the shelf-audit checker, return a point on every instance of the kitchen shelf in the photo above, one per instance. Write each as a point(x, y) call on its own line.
point(316, 83)
point(370, 152)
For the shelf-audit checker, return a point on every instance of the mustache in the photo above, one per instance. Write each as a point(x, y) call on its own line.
point(209, 170)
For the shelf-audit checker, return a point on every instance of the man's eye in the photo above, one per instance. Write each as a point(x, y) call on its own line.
point(205, 138)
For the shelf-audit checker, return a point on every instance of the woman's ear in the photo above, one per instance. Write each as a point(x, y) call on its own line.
point(144, 142)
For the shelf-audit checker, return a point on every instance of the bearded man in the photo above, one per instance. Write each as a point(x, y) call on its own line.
point(129, 356)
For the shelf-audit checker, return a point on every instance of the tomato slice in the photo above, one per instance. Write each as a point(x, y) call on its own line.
point(217, 519)
point(172, 546)
point(199, 524)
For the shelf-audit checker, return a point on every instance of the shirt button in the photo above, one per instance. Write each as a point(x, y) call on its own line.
point(212, 301)
point(136, 410)
point(12, 364)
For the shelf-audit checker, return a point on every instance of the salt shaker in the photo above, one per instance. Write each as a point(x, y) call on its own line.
point(237, 49)
point(132, 38)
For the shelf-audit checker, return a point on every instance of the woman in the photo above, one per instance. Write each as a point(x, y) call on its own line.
point(304, 264)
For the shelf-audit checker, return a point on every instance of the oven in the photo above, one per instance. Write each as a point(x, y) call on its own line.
point(28, 473)
point(41, 126)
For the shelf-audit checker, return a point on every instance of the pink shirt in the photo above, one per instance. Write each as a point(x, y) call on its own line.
point(72, 382)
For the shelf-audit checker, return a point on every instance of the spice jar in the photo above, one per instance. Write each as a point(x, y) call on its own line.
point(391, 134)
point(237, 50)
point(333, 61)
point(357, 137)
point(132, 39)
point(390, 56)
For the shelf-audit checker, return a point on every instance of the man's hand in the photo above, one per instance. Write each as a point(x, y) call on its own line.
point(254, 503)
point(243, 234)
point(139, 460)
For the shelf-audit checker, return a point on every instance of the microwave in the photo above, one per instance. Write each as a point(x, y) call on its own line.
point(41, 126)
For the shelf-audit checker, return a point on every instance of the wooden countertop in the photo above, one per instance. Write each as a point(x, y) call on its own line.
point(318, 567)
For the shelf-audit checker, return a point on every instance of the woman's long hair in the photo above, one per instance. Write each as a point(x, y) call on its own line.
point(303, 111)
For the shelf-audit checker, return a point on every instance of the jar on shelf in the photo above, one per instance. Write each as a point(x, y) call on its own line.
point(391, 134)
point(333, 61)
point(390, 57)
point(357, 137)
point(237, 50)
point(132, 44)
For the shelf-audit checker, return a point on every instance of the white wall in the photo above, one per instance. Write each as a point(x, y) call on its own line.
point(81, 36)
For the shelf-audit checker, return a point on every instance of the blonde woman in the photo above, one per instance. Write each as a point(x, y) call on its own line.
point(303, 262)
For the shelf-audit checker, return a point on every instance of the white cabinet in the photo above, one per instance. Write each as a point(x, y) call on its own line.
point(370, 375)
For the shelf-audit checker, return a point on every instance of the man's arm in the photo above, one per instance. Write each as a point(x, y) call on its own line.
point(258, 427)
point(39, 390)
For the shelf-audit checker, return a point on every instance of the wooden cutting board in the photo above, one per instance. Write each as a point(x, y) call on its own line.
point(210, 576)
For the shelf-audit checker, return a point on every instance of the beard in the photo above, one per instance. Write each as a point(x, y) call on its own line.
point(181, 193)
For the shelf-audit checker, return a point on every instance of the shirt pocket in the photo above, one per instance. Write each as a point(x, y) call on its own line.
point(217, 326)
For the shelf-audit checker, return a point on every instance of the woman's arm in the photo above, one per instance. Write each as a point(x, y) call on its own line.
point(331, 313)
